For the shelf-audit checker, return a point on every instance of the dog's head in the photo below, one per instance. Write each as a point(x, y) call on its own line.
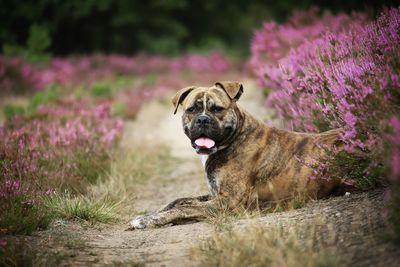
point(210, 115)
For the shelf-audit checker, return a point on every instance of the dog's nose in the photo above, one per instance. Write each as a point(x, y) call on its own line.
point(203, 120)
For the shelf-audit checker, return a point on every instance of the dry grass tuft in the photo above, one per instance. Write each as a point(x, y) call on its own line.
point(222, 217)
point(258, 246)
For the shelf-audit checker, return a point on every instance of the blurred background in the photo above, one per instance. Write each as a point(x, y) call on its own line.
point(166, 27)
point(75, 76)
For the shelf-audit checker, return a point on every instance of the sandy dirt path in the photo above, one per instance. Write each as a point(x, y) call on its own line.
point(355, 221)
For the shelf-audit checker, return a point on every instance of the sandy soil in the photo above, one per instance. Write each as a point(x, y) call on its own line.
point(352, 224)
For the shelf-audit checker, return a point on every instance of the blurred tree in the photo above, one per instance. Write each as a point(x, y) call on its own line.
point(159, 26)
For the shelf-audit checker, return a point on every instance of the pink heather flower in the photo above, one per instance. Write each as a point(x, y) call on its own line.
point(13, 185)
point(350, 119)
point(395, 164)
point(350, 134)
point(85, 70)
point(341, 70)
point(395, 124)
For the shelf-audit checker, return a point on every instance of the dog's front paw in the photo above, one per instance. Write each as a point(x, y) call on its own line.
point(139, 222)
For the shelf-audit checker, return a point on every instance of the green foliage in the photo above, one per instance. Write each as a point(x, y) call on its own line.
point(101, 89)
point(37, 44)
point(81, 208)
point(320, 122)
point(90, 168)
point(357, 167)
point(39, 39)
point(151, 79)
point(11, 110)
point(118, 109)
point(130, 26)
point(21, 215)
point(41, 98)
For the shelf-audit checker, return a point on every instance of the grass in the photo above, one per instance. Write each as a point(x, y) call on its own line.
point(19, 215)
point(104, 201)
point(81, 208)
point(129, 171)
point(258, 246)
point(222, 217)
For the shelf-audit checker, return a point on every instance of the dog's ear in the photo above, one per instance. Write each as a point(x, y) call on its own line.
point(180, 96)
point(233, 89)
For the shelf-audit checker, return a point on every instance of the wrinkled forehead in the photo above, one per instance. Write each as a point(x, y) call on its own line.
point(215, 95)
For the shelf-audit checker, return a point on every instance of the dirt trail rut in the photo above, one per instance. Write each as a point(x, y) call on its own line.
point(355, 220)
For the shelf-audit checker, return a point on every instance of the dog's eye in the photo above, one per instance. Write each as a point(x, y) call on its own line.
point(191, 109)
point(216, 109)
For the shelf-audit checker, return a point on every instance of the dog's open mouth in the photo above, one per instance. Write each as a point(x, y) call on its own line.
point(204, 145)
point(204, 142)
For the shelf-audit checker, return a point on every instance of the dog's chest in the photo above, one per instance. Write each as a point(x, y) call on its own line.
point(203, 160)
point(212, 181)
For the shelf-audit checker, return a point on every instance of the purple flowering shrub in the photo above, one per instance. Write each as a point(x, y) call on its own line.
point(18, 75)
point(345, 78)
point(21, 209)
point(55, 146)
point(65, 145)
point(147, 76)
point(338, 72)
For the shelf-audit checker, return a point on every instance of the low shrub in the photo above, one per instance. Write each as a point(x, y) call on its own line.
point(62, 146)
point(338, 72)
point(21, 209)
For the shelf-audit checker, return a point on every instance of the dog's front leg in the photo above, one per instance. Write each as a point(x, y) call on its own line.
point(178, 211)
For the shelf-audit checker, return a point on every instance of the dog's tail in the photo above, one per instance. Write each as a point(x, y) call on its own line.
point(331, 138)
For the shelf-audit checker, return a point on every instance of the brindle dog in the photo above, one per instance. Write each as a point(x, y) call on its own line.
point(248, 162)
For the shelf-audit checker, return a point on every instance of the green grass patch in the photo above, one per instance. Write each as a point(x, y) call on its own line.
point(118, 109)
point(151, 79)
point(81, 208)
point(35, 101)
point(89, 168)
point(101, 89)
point(11, 111)
point(41, 98)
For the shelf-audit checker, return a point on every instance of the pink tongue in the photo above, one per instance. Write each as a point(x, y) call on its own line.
point(204, 142)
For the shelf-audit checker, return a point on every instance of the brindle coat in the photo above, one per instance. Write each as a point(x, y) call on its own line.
point(250, 163)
